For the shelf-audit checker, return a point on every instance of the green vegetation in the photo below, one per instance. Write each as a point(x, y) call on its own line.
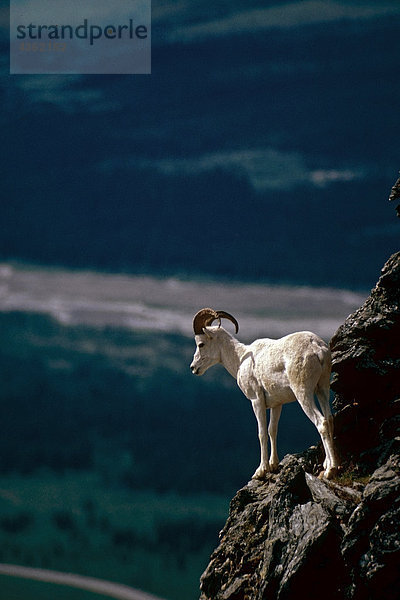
point(101, 473)
point(72, 522)
point(352, 477)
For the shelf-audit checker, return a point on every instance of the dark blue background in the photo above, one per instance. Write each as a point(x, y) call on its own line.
point(141, 173)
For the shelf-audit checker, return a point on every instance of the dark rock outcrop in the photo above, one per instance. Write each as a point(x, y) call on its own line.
point(366, 381)
point(395, 195)
point(295, 535)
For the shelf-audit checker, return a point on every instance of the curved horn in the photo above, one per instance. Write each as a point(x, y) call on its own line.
point(224, 315)
point(206, 316)
point(203, 319)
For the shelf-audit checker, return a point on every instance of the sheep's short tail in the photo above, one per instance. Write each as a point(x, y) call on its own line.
point(323, 353)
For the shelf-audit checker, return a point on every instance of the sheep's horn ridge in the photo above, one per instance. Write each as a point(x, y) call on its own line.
point(204, 317)
point(224, 315)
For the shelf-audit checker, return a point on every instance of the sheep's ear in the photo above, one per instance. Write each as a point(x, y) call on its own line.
point(207, 333)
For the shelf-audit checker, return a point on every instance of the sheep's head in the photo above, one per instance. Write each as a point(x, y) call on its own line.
point(207, 350)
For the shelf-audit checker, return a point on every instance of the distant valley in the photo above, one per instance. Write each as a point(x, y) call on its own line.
point(99, 407)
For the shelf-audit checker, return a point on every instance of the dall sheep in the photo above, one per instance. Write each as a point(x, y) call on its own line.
point(271, 373)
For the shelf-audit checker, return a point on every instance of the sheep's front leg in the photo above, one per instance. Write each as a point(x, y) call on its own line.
point(261, 415)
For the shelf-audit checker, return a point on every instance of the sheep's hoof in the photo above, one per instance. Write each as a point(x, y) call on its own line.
point(328, 473)
point(273, 467)
point(261, 472)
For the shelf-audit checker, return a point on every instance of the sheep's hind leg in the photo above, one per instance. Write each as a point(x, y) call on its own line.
point(307, 403)
point(275, 414)
point(260, 412)
point(331, 463)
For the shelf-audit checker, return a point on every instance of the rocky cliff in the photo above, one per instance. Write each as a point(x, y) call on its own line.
point(296, 536)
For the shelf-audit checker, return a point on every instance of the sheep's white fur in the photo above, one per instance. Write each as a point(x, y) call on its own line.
point(271, 373)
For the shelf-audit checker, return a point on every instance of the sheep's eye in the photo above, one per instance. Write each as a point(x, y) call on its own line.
point(201, 344)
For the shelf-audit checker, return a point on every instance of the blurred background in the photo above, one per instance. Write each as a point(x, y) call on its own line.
point(249, 172)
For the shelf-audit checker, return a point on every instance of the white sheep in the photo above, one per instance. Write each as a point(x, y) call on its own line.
point(271, 373)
